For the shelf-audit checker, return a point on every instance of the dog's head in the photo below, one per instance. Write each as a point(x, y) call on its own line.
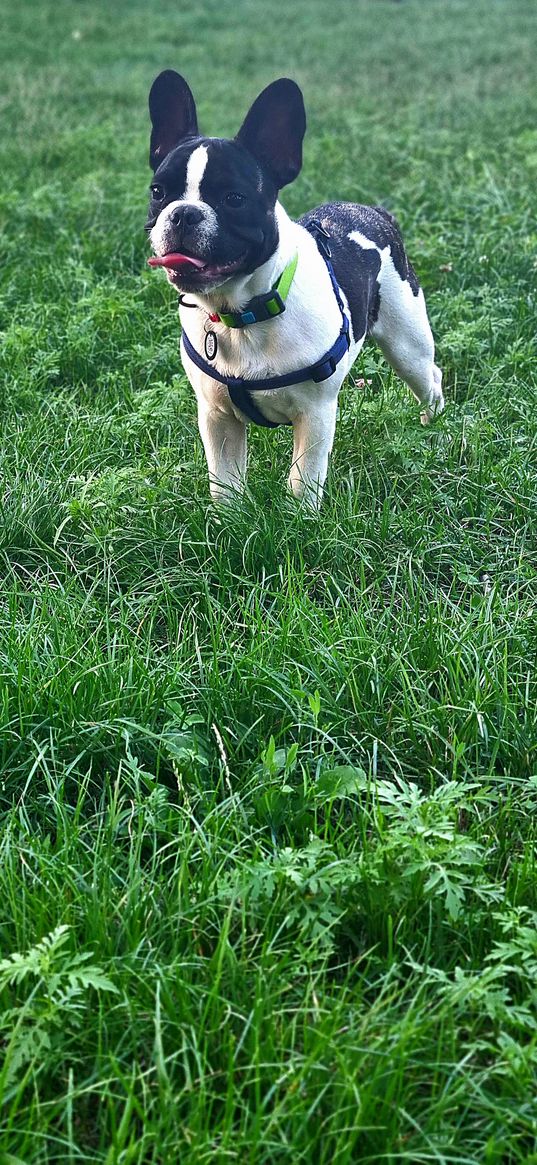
point(212, 200)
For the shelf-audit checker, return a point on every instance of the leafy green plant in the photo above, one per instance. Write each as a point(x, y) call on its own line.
point(49, 990)
point(422, 853)
point(305, 889)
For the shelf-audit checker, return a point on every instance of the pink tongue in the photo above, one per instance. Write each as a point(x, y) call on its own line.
point(174, 260)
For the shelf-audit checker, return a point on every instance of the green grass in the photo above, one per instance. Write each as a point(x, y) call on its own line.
point(268, 783)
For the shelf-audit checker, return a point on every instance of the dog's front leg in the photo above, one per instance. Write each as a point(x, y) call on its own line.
point(224, 441)
point(313, 432)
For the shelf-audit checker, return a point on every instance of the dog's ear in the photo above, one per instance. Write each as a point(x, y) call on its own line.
point(274, 128)
point(173, 115)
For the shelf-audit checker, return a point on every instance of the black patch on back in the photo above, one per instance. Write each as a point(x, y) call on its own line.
point(356, 268)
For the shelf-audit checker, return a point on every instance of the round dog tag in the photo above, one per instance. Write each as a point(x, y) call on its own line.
point(211, 345)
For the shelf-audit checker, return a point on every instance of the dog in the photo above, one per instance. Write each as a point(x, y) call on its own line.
point(274, 312)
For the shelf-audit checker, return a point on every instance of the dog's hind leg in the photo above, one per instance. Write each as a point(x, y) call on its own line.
point(403, 332)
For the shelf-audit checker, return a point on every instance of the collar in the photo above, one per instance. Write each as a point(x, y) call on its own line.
point(261, 307)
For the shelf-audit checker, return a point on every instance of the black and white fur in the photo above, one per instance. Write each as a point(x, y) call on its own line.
point(216, 200)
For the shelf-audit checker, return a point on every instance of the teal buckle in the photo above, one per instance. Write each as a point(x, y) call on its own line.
point(267, 306)
point(260, 308)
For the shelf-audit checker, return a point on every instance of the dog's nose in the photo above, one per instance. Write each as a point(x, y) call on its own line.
point(185, 215)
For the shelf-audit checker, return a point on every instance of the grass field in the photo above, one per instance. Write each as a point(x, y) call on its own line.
point(268, 784)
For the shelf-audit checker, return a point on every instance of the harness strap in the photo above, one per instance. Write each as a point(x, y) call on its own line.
point(243, 401)
point(240, 388)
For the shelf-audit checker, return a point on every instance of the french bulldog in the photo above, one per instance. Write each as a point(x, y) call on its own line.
point(274, 312)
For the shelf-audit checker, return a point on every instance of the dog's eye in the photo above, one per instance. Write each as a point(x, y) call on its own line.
point(234, 199)
point(157, 193)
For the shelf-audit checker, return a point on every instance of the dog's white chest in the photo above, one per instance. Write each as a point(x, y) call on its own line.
point(294, 340)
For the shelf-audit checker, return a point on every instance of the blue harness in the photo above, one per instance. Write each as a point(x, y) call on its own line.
point(240, 389)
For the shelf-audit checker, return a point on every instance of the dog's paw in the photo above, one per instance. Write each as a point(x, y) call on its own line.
point(436, 406)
